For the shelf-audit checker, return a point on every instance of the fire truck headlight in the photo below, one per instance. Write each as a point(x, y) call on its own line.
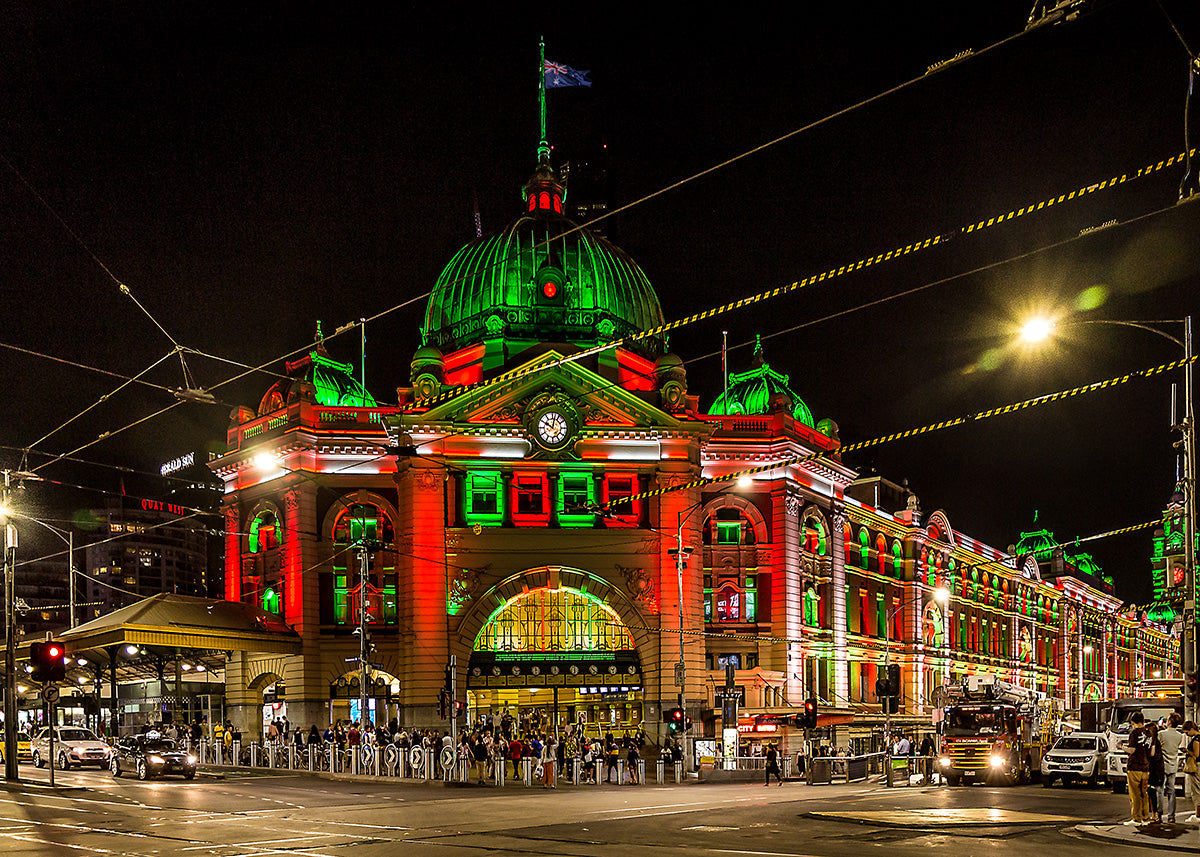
point(997, 761)
point(944, 761)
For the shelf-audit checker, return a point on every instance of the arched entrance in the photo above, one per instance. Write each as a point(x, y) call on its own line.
point(553, 656)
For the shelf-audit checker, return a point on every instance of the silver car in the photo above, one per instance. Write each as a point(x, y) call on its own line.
point(1079, 757)
point(73, 745)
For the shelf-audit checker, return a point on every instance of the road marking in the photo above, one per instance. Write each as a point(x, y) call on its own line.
point(259, 842)
point(62, 845)
point(973, 815)
point(660, 806)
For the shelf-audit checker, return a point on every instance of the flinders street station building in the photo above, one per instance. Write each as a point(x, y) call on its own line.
point(523, 503)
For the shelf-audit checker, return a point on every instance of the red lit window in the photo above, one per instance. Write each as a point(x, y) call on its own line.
point(544, 200)
point(729, 603)
point(549, 288)
point(532, 202)
point(530, 495)
point(616, 488)
point(558, 203)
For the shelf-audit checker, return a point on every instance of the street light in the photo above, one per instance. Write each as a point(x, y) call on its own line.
point(1037, 330)
point(681, 554)
point(941, 595)
point(68, 538)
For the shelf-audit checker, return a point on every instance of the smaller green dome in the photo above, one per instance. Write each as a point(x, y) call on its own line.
point(333, 383)
point(1087, 564)
point(761, 390)
point(1040, 543)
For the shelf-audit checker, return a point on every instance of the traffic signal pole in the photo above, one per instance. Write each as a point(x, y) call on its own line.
point(10, 642)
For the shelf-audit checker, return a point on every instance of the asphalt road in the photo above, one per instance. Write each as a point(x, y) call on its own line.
point(279, 814)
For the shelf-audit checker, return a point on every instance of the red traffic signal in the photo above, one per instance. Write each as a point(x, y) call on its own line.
point(677, 720)
point(809, 719)
point(1191, 687)
point(47, 660)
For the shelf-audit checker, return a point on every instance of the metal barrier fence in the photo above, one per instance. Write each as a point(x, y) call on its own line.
point(389, 761)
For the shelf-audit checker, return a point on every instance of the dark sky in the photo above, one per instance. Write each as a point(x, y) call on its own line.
point(247, 171)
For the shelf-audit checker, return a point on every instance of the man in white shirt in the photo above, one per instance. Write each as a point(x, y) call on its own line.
point(1170, 739)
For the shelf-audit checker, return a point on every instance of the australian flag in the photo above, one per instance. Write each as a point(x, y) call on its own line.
point(558, 74)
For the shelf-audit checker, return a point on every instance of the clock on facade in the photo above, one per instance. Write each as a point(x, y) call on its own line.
point(552, 429)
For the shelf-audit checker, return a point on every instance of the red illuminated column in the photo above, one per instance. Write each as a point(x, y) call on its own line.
point(233, 554)
point(421, 566)
point(787, 593)
point(675, 506)
point(840, 692)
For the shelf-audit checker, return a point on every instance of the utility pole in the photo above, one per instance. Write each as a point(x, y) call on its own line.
point(1188, 441)
point(364, 646)
point(10, 638)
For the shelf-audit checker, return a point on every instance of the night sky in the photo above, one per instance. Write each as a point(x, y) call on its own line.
point(247, 171)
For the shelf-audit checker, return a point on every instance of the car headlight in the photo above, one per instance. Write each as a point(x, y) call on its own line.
point(157, 760)
point(944, 761)
point(997, 761)
point(191, 760)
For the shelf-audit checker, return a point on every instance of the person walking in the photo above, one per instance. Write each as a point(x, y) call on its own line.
point(773, 765)
point(1138, 769)
point(1171, 740)
point(1155, 781)
point(1191, 768)
point(549, 758)
point(632, 757)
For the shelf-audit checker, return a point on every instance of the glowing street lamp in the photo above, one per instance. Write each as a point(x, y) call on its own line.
point(1039, 329)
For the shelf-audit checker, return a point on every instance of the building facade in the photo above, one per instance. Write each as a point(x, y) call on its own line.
point(519, 513)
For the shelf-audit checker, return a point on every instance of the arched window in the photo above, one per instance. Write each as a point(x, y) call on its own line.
point(362, 523)
point(881, 555)
point(864, 549)
point(814, 537)
point(266, 533)
point(897, 560)
point(729, 526)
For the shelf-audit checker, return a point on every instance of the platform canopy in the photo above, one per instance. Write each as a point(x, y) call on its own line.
point(185, 623)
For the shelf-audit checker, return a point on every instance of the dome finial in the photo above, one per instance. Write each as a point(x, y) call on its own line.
point(758, 360)
point(321, 340)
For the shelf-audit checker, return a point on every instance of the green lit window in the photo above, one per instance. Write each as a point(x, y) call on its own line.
point(265, 532)
point(484, 498)
point(751, 598)
point(729, 532)
point(811, 608)
point(708, 598)
point(271, 602)
point(880, 615)
point(357, 523)
point(575, 495)
point(554, 620)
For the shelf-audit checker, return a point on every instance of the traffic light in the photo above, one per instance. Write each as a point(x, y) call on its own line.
point(1191, 687)
point(808, 720)
point(890, 704)
point(677, 721)
point(443, 703)
point(460, 708)
point(47, 661)
point(893, 677)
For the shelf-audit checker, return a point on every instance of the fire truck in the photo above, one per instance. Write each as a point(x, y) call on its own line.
point(995, 731)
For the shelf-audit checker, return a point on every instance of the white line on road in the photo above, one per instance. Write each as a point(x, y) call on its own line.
point(61, 845)
point(660, 806)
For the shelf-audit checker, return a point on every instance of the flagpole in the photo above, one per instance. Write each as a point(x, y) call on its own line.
point(543, 146)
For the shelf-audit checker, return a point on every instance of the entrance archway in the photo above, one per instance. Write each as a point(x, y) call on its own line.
point(556, 655)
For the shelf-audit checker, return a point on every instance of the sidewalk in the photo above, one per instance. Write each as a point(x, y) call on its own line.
point(1165, 836)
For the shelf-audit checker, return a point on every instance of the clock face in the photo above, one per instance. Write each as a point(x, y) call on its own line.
point(552, 428)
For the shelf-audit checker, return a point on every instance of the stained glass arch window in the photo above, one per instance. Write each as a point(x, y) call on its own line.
point(554, 620)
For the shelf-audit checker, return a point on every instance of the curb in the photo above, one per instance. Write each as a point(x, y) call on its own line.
point(1163, 837)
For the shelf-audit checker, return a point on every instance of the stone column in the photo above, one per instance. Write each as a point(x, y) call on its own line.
point(421, 569)
point(840, 691)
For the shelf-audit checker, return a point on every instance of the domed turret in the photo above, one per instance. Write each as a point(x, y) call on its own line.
point(329, 382)
point(761, 390)
point(543, 279)
point(1040, 543)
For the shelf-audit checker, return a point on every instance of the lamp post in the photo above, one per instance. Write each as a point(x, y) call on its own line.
point(69, 540)
point(681, 553)
point(10, 637)
point(1037, 330)
point(942, 596)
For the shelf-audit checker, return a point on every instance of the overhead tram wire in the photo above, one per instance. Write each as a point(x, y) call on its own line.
point(926, 429)
point(937, 68)
point(137, 379)
point(829, 274)
point(812, 279)
point(982, 224)
point(999, 263)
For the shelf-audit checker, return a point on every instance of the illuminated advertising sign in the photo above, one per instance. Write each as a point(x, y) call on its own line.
point(178, 463)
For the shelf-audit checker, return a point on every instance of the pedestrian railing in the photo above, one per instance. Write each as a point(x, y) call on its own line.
point(418, 763)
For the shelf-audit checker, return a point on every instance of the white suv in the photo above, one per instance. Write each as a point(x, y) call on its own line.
point(73, 745)
point(1080, 756)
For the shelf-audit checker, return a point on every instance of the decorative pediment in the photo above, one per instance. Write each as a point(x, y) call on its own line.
point(597, 401)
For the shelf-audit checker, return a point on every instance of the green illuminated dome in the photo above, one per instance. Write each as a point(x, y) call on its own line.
point(761, 390)
point(333, 383)
point(1040, 543)
point(542, 279)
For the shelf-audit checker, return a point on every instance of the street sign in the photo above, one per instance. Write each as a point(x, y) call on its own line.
point(50, 693)
point(351, 660)
point(679, 674)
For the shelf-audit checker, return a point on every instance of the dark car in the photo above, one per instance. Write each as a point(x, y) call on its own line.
point(151, 757)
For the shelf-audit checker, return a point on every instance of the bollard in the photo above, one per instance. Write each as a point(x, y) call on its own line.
point(237, 754)
point(219, 753)
point(527, 772)
point(641, 771)
point(271, 750)
point(660, 773)
point(679, 772)
point(312, 757)
point(333, 758)
point(378, 761)
point(498, 767)
point(576, 771)
point(354, 761)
